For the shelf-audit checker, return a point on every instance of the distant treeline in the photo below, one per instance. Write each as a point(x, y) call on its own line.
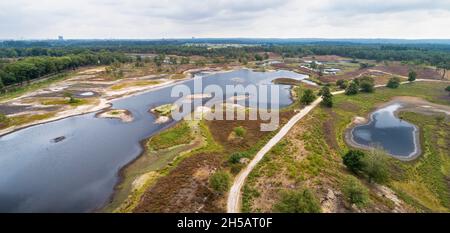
point(39, 58)
point(30, 68)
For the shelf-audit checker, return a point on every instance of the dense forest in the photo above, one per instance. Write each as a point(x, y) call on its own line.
point(26, 60)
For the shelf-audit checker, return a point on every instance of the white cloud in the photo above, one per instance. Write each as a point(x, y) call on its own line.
point(225, 18)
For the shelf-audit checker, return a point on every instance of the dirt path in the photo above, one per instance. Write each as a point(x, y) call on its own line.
point(234, 196)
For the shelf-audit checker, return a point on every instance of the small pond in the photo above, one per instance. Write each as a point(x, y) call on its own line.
point(386, 130)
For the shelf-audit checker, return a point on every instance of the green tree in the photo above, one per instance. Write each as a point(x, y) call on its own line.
point(352, 89)
point(258, 57)
point(355, 192)
point(393, 82)
point(298, 201)
point(353, 160)
point(448, 89)
point(236, 157)
point(375, 166)
point(185, 60)
point(367, 84)
point(308, 97)
point(1, 84)
point(220, 181)
point(341, 83)
point(412, 75)
point(240, 131)
point(327, 97)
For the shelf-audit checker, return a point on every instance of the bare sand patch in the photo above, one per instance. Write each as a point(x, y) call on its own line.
point(121, 114)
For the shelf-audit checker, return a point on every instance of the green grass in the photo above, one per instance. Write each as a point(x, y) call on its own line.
point(24, 119)
point(74, 102)
point(176, 135)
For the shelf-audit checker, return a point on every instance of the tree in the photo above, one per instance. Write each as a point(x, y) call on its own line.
point(220, 181)
point(393, 82)
point(308, 97)
point(352, 89)
point(375, 166)
point(355, 192)
point(327, 97)
point(185, 60)
point(258, 57)
point(341, 83)
point(353, 160)
point(3, 119)
point(1, 84)
point(412, 75)
point(298, 201)
point(367, 84)
point(236, 157)
point(448, 89)
point(313, 65)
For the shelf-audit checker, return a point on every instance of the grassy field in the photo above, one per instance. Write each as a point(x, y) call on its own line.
point(424, 183)
point(310, 157)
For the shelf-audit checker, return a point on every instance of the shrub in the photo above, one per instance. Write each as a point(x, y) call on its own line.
point(3, 118)
point(375, 166)
point(341, 83)
point(220, 181)
point(447, 88)
point(236, 157)
point(393, 82)
point(352, 89)
point(367, 84)
point(240, 131)
point(412, 75)
point(327, 97)
point(355, 192)
point(353, 160)
point(298, 201)
point(308, 97)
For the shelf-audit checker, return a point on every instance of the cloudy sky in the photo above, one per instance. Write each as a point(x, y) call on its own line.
point(146, 19)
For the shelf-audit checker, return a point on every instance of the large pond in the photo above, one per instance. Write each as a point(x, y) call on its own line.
point(78, 174)
point(385, 130)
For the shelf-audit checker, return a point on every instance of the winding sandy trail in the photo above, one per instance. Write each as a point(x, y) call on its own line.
point(233, 204)
point(234, 196)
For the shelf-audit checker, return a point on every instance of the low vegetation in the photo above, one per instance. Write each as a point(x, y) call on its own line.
point(308, 97)
point(240, 131)
point(311, 157)
point(220, 181)
point(176, 135)
point(298, 201)
point(355, 192)
point(393, 82)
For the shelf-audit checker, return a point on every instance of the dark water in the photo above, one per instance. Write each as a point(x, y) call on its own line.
point(385, 130)
point(78, 174)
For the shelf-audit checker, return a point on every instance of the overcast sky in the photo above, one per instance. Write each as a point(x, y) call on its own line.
point(146, 19)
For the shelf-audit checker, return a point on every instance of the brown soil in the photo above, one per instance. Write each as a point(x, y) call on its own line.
point(183, 190)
